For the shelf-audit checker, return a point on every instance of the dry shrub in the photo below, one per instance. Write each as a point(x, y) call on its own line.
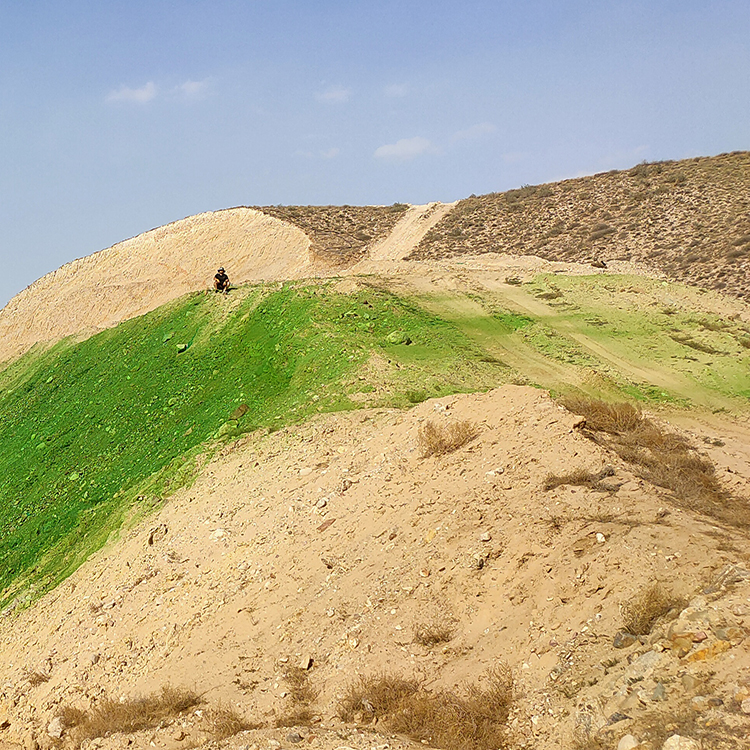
point(470, 719)
point(143, 712)
point(434, 631)
point(642, 611)
point(224, 721)
point(577, 478)
point(301, 691)
point(297, 717)
point(603, 417)
point(379, 695)
point(663, 458)
point(35, 678)
point(302, 695)
point(437, 441)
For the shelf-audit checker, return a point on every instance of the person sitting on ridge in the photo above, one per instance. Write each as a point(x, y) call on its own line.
point(221, 281)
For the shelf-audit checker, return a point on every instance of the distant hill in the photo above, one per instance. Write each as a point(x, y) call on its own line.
point(340, 234)
point(690, 219)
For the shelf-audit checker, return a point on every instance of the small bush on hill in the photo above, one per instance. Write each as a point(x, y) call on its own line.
point(434, 631)
point(642, 611)
point(144, 712)
point(437, 441)
point(302, 695)
point(225, 721)
point(470, 719)
point(663, 458)
point(577, 478)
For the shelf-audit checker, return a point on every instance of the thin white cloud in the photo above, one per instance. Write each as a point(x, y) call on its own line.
point(475, 131)
point(193, 89)
point(404, 149)
point(136, 96)
point(396, 90)
point(330, 153)
point(334, 94)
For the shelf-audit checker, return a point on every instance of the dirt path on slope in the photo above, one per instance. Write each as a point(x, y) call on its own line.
point(406, 235)
point(445, 297)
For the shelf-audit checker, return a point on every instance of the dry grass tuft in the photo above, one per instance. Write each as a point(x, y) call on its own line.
point(132, 715)
point(472, 719)
point(224, 721)
point(376, 696)
point(663, 458)
point(437, 441)
point(297, 717)
point(302, 694)
point(435, 631)
point(35, 678)
point(577, 478)
point(614, 419)
point(642, 611)
point(301, 691)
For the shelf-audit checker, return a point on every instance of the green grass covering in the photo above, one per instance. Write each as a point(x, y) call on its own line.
point(87, 428)
point(629, 323)
point(611, 336)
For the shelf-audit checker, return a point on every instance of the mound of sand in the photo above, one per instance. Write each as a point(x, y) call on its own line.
point(330, 547)
point(142, 273)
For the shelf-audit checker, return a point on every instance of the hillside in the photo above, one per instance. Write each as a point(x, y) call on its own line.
point(304, 558)
point(340, 234)
point(142, 273)
point(429, 476)
point(689, 219)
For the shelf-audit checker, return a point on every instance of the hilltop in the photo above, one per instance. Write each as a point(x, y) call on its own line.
point(429, 476)
point(689, 219)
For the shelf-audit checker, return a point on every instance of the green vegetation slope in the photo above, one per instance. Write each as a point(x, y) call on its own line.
point(90, 429)
point(98, 432)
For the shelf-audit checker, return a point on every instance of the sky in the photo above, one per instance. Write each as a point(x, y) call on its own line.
point(117, 117)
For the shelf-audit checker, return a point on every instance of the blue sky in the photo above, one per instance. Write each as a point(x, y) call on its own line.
point(116, 117)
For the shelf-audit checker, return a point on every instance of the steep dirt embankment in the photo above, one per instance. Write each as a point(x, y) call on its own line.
point(142, 273)
point(330, 547)
point(405, 237)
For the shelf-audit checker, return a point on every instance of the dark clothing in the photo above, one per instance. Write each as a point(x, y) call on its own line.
point(221, 281)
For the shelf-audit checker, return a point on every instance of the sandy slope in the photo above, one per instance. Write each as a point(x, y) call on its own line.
point(330, 542)
point(406, 235)
point(140, 274)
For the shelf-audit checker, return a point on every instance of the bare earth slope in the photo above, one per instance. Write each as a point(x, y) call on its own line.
point(690, 219)
point(140, 274)
point(326, 548)
point(340, 235)
point(405, 236)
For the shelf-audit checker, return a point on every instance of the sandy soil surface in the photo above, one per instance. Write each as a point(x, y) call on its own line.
point(327, 546)
point(143, 273)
